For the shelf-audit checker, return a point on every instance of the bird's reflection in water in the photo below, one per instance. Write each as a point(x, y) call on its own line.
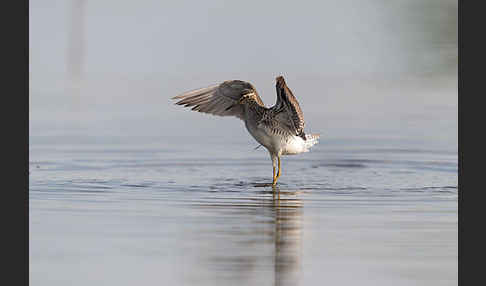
point(288, 235)
point(258, 241)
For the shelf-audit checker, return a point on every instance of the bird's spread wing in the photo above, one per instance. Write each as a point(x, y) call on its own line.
point(222, 99)
point(287, 110)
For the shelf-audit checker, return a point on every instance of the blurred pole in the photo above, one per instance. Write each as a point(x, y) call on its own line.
point(76, 40)
point(76, 47)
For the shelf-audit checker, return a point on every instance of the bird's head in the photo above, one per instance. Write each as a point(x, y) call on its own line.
point(245, 98)
point(250, 96)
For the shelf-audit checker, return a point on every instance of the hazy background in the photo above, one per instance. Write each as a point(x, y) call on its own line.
point(111, 65)
point(189, 38)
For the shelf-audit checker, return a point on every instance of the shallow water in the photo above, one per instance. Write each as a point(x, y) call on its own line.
point(133, 199)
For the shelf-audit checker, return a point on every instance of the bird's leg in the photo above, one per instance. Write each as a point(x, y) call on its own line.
point(274, 178)
point(274, 175)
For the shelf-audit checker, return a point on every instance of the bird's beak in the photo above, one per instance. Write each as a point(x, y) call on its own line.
point(235, 104)
point(231, 106)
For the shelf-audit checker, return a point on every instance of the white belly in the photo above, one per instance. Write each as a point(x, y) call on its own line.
point(280, 144)
point(277, 144)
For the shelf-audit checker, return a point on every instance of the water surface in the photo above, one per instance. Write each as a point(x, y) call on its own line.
point(123, 194)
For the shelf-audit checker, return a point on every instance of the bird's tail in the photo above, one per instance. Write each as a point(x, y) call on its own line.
point(311, 140)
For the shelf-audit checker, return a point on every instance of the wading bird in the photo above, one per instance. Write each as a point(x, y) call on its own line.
point(279, 128)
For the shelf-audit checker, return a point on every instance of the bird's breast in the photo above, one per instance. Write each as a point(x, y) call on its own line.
point(262, 136)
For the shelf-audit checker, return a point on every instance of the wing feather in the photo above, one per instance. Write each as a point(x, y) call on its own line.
point(222, 99)
point(288, 112)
